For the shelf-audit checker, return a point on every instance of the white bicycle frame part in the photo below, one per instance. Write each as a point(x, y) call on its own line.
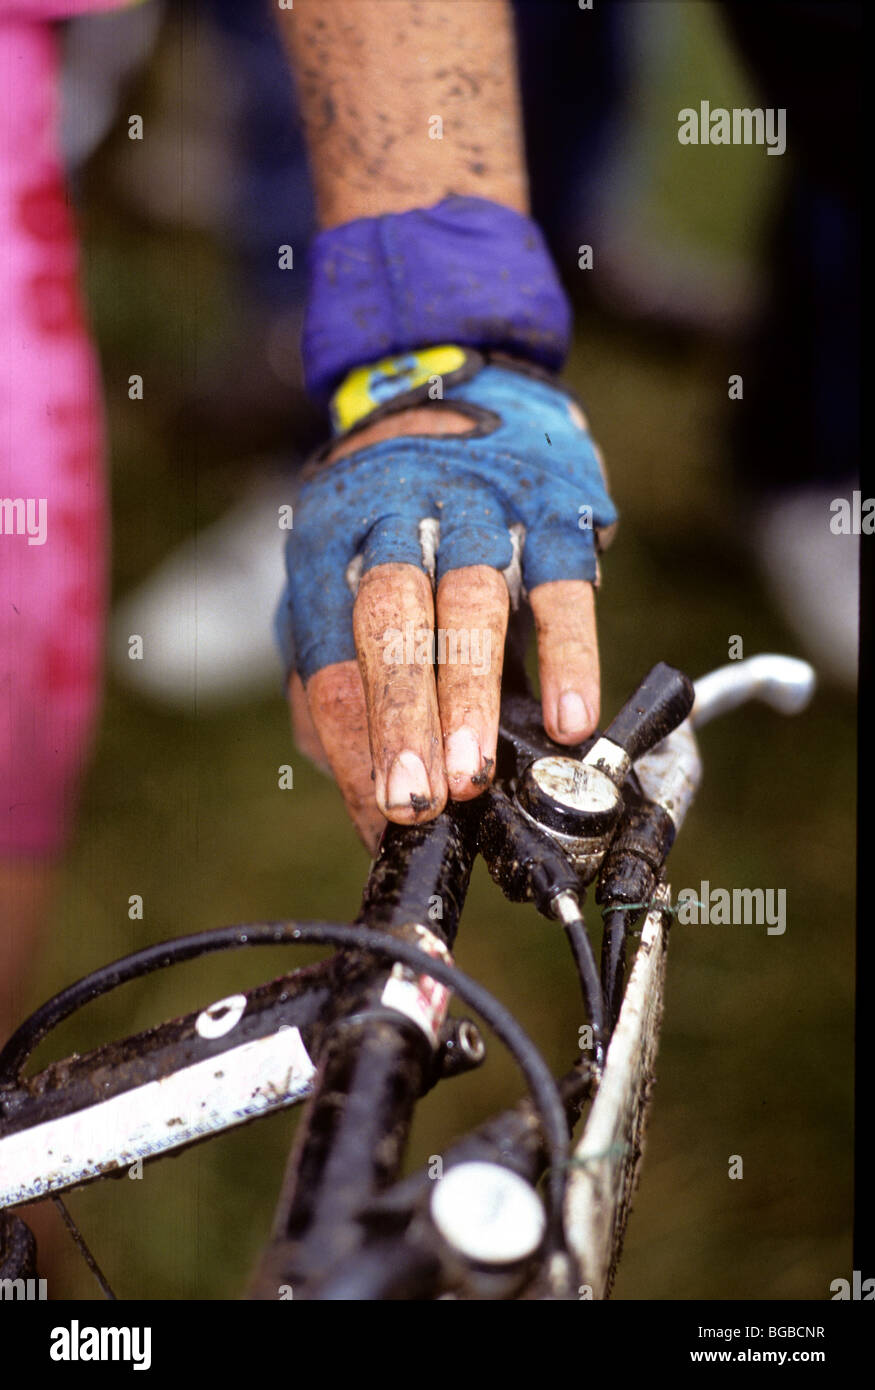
point(607, 1157)
point(608, 1154)
point(211, 1095)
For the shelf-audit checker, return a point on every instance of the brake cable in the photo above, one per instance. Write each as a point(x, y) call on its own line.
point(541, 1084)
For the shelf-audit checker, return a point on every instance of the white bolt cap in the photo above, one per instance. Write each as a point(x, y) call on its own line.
point(488, 1213)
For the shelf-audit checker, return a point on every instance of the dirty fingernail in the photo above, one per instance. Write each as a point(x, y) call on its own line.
point(573, 714)
point(408, 781)
point(462, 753)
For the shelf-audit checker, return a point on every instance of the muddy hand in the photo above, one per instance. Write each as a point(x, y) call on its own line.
point(409, 715)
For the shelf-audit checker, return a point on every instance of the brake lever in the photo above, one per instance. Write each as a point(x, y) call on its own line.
point(548, 824)
point(575, 794)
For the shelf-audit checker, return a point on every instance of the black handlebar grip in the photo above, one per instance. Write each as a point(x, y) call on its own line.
point(662, 702)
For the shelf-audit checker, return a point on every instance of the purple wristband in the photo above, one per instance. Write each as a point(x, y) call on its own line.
point(465, 271)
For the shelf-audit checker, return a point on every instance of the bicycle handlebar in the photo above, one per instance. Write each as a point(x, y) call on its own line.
point(370, 1054)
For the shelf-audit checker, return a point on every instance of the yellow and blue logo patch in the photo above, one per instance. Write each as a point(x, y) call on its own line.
point(365, 388)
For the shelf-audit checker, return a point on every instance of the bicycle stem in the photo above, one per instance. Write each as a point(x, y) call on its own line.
point(374, 1062)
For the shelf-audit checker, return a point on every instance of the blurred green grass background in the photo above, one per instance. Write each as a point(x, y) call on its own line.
point(756, 1052)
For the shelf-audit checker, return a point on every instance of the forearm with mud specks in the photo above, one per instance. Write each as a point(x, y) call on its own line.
point(373, 74)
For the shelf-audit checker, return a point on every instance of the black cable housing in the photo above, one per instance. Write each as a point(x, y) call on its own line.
point(544, 1091)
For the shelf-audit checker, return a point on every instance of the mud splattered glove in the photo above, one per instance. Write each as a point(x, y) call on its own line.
point(523, 491)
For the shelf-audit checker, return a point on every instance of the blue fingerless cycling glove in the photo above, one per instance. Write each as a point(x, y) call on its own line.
point(527, 469)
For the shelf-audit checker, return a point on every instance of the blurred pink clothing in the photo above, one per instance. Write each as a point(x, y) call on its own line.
point(53, 523)
point(55, 9)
